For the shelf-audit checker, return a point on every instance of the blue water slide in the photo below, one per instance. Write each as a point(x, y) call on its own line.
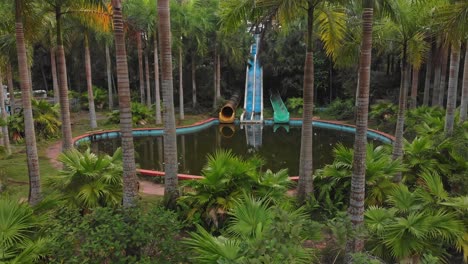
point(253, 104)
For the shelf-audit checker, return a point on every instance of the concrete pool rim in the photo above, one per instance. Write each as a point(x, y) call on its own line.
point(327, 124)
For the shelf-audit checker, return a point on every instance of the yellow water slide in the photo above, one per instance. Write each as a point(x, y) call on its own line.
point(227, 114)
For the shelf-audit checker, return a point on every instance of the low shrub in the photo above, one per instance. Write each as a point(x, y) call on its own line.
point(295, 104)
point(341, 109)
point(107, 235)
point(141, 115)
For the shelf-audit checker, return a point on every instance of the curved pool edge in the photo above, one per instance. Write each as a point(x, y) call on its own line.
point(328, 124)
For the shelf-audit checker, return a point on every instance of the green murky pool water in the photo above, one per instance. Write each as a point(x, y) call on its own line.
point(279, 146)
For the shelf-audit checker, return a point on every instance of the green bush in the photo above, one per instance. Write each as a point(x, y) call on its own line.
point(226, 177)
point(89, 180)
point(384, 116)
point(341, 109)
point(46, 121)
point(141, 115)
point(107, 235)
point(295, 104)
point(257, 233)
point(100, 98)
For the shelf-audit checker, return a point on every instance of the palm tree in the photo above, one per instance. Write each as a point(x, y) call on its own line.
point(226, 177)
point(20, 239)
point(63, 79)
point(413, 47)
point(331, 27)
point(140, 66)
point(88, 180)
point(25, 83)
point(454, 16)
point(142, 15)
point(170, 140)
point(452, 88)
point(157, 92)
point(129, 168)
point(4, 115)
point(428, 75)
point(358, 180)
point(255, 235)
point(89, 84)
point(418, 222)
point(464, 97)
point(109, 78)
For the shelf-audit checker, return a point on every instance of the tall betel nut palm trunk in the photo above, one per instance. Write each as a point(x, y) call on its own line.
point(452, 89)
point(358, 180)
point(89, 85)
point(140, 67)
point(305, 186)
point(130, 189)
point(4, 116)
point(464, 97)
point(397, 152)
point(30, 135)
point(157, 93)
point(63, 83)
point(170, 139)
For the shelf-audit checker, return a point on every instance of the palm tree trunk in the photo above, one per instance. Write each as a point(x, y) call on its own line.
point(53, 69)
point(4, 115)
point(427, 80)
point(414, 88)
point(109, 78)
point(358, 180)
point(305, 186)
point(130, 189)
point(181, 87)
point(443, 77)
point(11, 89)
point(30, 135)
point(170, 139)
point(437, 73)
point(215, 79)
point(194, 83)
point(148, 84)
point(218, 76)
point(464, 97)
point(140, 68)
point(63, 85)
point(404, 83)
point(89, 85)
point(452, 89)
point(156, 81)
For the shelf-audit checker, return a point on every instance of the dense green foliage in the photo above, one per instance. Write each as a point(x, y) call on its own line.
point(46, 121)
point(89, 180)
point(423, 221)
point(334, 180)
point(108, 235)
point(341, 109)
point(226, 178)
point(141, 115)
point(257, 232)
point(21, 236)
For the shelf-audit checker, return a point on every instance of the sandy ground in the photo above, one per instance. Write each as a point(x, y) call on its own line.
point(146, 187)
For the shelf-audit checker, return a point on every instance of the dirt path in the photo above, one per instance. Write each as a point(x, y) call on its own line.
point(146, 187)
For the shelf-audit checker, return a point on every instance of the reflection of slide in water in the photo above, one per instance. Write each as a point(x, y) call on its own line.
point(253, 134)
point(227, 130)
point(253, 98)
point(277, 126)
